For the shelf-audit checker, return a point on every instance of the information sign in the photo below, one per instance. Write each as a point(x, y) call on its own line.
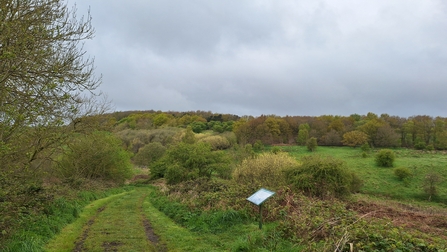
point(260, 196)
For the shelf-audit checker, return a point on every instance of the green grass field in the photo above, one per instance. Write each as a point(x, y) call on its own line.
point(382, 182)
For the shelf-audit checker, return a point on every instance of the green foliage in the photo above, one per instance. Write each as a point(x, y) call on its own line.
point(258, 146)
point(35, 229)
point(303, 136)
point(402, 173)
point(429, 147)
point(231, 137)
point(216, 142)
point(431, 183)
point(189, 161)
point(196, 220)
point(189, 137)
point(96, 156)
point(198, 127)
point(355, 138)
point(148, 154)
point(385, 158)
point(266, 170)
point(43, 73)
point(420, 146)
point(275, 150)
point(323, 177)
point(248, 148)
point(312, 144)
point(365, 147)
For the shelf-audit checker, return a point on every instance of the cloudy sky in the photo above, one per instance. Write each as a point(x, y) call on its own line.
point(283, 57)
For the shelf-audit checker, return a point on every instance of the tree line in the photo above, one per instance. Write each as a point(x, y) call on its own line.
point(420, 131)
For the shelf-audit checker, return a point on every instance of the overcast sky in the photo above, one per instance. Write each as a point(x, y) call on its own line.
point(283, 57)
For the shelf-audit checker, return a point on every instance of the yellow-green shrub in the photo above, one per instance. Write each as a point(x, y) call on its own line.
point(266, 170)
point(217, 142)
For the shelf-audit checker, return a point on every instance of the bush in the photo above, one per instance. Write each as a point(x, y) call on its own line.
point(266, 170)
point(248, 148)
point(365, 147)
point(323, 177)
point(189, 161)
point(385, 158)
point(312, 144)
point(402, 173)
point(430, 185)
point(276, 150)
point(149, 154)
point(216, 142)
point(97, 155)
point(231, 137)
point(419, 146)
point(258, 146)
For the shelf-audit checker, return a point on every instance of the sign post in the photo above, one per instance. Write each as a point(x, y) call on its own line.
point(258, 198)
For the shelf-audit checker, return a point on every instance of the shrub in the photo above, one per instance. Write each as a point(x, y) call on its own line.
point(216, 142)
point(189, 137)
point(189, 161)
point(419, 146)
point(149, 154)
point(97, 155)
point(258, 146)
point(265, 170)
point(429, 147)
point(385, 158)
point(248, 148)
point(276, 150)
point(323, 177)
point(402, 173)
point(312, 144)
point(231, 137)
point(430, 184)
point(365, 147)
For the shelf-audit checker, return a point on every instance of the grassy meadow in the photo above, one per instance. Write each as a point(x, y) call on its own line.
point(381, 181)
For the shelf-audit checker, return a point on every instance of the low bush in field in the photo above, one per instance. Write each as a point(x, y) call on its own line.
point(96, 156)
point(265, 170)
point(431, 183)
point(323, 177)
point(402, 173)
point(385, 158)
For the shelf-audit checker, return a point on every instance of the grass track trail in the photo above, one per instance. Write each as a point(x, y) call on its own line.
point(116, 223)
point(128, 222)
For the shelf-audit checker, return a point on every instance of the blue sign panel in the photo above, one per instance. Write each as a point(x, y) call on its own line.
point(260, 196)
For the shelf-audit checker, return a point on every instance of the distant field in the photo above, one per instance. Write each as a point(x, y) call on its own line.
point(381, 181)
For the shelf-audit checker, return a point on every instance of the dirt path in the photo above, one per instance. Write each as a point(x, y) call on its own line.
point(118, 225)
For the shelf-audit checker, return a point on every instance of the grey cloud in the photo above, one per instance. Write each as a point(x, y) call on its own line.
point(273, 57)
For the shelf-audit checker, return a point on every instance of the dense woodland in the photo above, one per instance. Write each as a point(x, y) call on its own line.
point(419, 132)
